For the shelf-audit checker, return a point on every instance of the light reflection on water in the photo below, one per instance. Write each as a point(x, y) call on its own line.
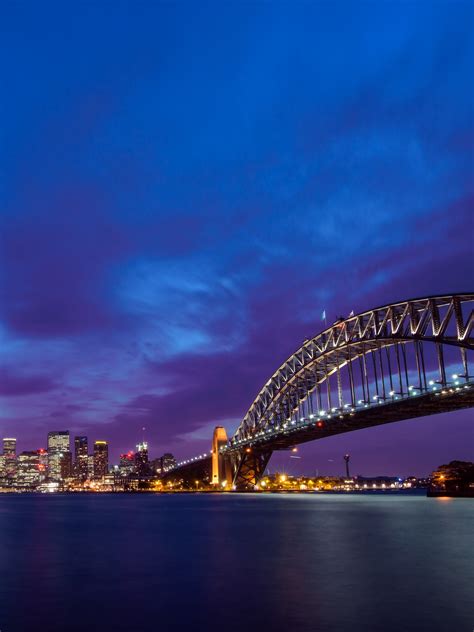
point(224, 562)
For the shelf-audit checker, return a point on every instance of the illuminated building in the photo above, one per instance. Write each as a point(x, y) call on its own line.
point(90, 466)
point(29, 474)
point(9, 458)
point(43, 462)
point(80, 458)
point(127, 464)
point(66, 465)
point(101, 459)
point(163, 464)
point(141, 459)
point(59, 455)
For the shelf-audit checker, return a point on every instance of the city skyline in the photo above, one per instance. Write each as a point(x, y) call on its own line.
point(180, 208)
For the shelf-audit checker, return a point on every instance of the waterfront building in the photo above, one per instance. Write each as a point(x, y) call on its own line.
point(81, 458)
point(90, 467)
point(43, 462)
point(9, 458)
point(141, 459)
point(59, 455)
point(101, 459)
point(29, 475)
point(127, 464)
point(163, 464)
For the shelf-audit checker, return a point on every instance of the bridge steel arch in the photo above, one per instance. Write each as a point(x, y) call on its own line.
point(382, 365)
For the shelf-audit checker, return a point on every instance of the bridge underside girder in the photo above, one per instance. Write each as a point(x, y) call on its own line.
point(249, 468)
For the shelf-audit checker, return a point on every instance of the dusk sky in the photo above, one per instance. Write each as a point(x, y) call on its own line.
point(186, 186)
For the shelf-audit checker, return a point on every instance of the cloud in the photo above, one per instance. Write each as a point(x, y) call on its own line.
point(14, 385)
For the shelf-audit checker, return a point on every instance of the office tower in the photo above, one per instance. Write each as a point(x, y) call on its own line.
point(80, 458)
point(28, 474)
point(101, 459)
point(127, 464)
point(168, 462)
point(141, 459)
point(9, 454)
point(90, 467)
point(164, 463)
point(43, 463)
point(59, 455)
point(66, 468)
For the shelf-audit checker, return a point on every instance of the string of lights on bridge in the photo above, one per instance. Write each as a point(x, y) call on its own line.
point(319, 419)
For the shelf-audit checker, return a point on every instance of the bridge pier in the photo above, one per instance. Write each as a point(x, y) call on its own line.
point(249, 467)
point(221, 467)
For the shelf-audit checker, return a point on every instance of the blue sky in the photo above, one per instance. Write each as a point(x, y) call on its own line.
point(185, 186)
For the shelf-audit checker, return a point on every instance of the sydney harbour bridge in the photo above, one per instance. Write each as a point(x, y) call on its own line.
point(401, 361)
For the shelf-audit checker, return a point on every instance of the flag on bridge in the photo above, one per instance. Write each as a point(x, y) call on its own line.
point(351, 314)
point(323, 317)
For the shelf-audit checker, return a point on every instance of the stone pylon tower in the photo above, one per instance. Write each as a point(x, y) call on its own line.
point(221, 469)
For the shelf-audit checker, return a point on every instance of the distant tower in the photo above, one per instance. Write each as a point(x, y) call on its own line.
point(141, 459)
point(59, 455)
point(81, 455)
point(101, 459)
point(346, 459)
point(9, 455)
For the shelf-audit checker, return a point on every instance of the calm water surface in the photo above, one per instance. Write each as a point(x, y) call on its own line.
point(236, 562)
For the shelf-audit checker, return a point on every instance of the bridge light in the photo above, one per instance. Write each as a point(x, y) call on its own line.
point(320, 424)
point(392, 393)
point(410, 388)
point(248, 449)
point(360, 401)
point(311, 416)
point(431, 382)
point(455, 376)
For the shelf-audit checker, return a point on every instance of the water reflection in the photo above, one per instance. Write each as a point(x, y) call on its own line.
point(197, 562)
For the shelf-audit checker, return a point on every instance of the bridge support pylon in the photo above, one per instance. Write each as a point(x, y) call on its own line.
point(249, 468)
point(221, 467)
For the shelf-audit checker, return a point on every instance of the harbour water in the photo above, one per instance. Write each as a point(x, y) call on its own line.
point(292, 563)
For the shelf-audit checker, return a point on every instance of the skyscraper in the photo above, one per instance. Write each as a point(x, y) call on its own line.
point(59, 455)
point(9, 460)
point(101, 459)
point(29, 474)
point(141, 459)
point(80, 457)
point(127, 464)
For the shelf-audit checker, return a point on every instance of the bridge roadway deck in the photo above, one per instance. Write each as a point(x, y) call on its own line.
point(428, 403)
point(420, 405)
